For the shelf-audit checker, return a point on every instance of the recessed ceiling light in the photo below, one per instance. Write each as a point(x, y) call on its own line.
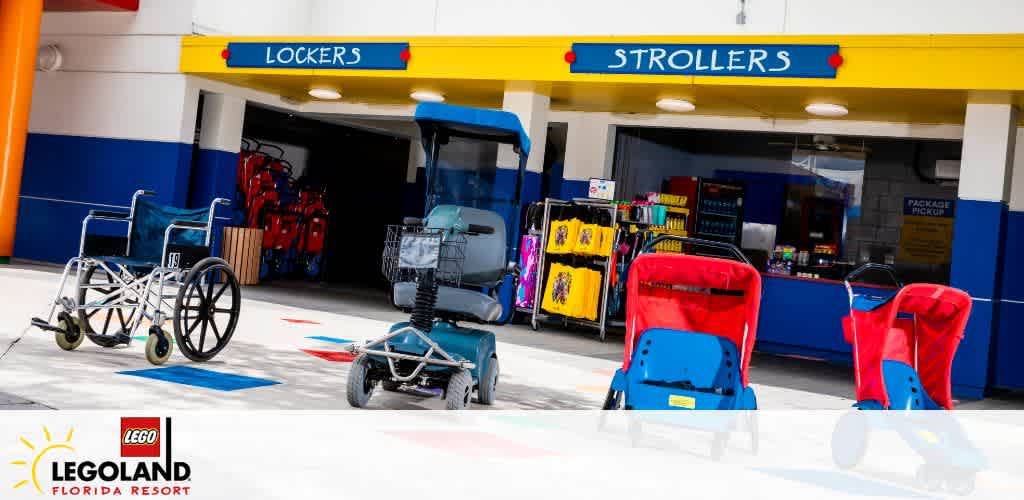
point(675, 105)
point(826, 109)
point(325, 93)
point(427, 96)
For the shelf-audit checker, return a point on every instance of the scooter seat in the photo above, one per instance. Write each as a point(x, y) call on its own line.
point(459, 301)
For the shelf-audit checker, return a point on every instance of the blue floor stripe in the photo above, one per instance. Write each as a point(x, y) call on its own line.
point(199, 377)
point(333, 340)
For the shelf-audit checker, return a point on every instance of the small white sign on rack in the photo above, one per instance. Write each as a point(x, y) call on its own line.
point(601, 189)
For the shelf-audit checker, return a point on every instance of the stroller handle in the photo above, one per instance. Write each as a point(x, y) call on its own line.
point(734, 252)
point(871, 266)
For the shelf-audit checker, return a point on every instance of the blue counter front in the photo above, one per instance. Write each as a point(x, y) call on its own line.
point(803, 317)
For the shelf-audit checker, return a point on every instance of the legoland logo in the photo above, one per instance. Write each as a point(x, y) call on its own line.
point(139, 437)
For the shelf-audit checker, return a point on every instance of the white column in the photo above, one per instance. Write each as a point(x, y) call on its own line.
point(990, 131)
point(223, 117)
point(417, 160)
point(1017, 182)
point(589, 146)
point(532, 109)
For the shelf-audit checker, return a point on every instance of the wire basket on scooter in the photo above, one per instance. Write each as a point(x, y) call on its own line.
point(443, 251)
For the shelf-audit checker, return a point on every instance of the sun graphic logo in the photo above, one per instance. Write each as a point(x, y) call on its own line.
point(84, 474)
point(37, 453)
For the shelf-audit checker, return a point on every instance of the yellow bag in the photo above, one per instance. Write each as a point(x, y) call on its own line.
point(562, 237)
point(607, 241)
point(588, 241)
point(593, 291)
point(557, 289)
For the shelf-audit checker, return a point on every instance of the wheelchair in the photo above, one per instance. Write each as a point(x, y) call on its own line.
point(431, 262)
point(162, 270)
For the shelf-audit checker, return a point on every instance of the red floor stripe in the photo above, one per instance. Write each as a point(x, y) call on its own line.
point(301, 321)
point(337, 357)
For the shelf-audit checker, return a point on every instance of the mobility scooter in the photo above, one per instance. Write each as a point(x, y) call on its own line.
point(447, 266)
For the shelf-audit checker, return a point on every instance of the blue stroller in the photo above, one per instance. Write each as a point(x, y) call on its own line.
point(446, 268)
point(691, 322)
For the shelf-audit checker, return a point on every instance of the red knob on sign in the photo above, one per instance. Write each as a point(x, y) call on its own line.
point(225, 53)
point(405, 55)
point(835, 60)
point(570, 57)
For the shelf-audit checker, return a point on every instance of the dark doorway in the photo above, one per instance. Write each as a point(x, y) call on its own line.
point(364, 175)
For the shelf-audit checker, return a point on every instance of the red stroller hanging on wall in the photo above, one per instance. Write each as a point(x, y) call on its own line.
point(904, 342)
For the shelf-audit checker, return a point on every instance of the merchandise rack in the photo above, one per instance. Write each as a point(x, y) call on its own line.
point(607, 263)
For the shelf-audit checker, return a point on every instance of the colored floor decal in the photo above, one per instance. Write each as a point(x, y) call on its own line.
point(333, 340)
point(604, 373)
point(337, 357)
point(143, 339)
point(592, 389)
point(842, 482)
point(471, 443)
point(199, 377)
point(301, 321)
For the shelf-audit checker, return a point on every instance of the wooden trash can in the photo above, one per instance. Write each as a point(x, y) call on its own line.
point(242, 248)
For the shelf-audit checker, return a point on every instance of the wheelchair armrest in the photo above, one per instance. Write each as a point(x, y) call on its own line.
point(188, 224)
point(104, 214)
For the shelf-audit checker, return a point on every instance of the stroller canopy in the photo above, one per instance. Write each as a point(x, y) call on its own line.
point(485, 124)
point(695, 294)
point(884, 330)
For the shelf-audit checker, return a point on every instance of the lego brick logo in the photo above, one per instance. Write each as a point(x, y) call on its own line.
point(140, 437)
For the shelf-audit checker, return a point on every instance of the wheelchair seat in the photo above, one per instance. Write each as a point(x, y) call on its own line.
point(457, 301)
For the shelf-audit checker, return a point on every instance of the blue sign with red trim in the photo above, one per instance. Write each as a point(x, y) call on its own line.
point(789, 61)
point(321, 55)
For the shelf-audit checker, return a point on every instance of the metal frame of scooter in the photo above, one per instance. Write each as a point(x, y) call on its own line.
point(424, 360)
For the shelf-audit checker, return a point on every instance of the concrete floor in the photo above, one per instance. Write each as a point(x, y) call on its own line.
point(553, 368)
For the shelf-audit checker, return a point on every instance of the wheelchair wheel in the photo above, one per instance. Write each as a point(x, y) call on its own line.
point(102, 324)
point(207, 309)
point(158, 346)
point(71, 337)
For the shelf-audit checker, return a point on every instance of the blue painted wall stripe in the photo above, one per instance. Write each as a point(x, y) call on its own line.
point(979, 228)
point(65, 176)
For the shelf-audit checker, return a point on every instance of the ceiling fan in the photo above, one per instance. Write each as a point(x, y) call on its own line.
point(822, 144)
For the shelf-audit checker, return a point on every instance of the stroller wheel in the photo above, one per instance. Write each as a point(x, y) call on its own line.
point(755, 435)
point(158, 346)
point(850, 440)
point(360, 385)
point(460, 388)
point(961, 484)
point(718, 445)
point(488, 383)
point(71, 337)
point(636, 431)
point(928, 478)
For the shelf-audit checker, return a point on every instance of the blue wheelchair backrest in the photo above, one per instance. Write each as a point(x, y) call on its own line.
point(484, 264)
point(149, 223)
point(673, 356)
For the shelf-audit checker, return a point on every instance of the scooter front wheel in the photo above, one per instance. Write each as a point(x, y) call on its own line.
point(360, 385)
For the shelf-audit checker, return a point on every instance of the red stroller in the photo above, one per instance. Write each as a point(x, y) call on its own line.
point(904, 342)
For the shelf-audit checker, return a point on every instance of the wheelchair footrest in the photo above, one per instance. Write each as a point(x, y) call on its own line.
point(117, 338)
point(43, 325)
